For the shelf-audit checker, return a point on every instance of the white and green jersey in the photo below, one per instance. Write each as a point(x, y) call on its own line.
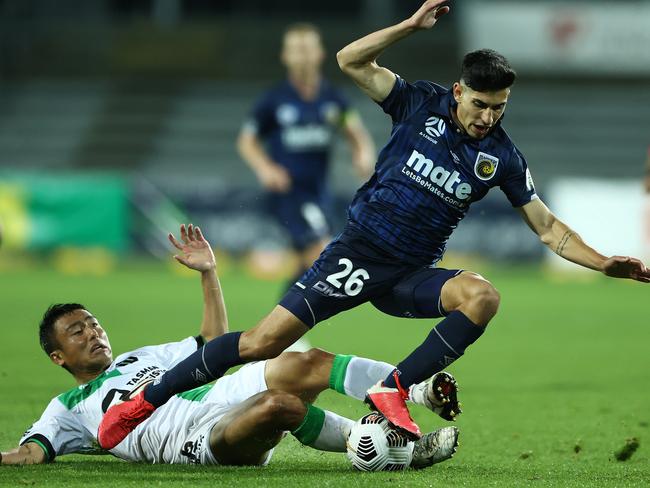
point(71, 420)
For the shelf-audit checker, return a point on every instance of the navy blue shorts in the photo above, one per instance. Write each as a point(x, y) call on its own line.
point(303, 215)
point(352, 270)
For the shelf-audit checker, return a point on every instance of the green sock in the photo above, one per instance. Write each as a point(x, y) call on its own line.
point(323, 430)
point(337, 375)
point(353, 376)
point(308, 431)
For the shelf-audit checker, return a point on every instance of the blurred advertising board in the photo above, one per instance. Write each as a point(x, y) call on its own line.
point(608, 215)
point(493, 229)
point(582, 38)
point(237, 221)
point(40, 212)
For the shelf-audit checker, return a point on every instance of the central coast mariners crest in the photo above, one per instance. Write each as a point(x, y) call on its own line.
point(486, 166)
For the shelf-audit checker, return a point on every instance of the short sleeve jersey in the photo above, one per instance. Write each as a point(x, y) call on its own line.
point(70, 422)
point(430, 172)
point(298, 133)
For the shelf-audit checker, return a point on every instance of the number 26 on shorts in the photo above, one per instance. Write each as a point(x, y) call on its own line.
point(355, 277)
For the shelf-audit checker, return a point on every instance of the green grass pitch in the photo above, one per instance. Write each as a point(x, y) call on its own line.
point(553, 389)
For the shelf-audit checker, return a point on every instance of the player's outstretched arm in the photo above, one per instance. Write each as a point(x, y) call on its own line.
point(359, 59)
point(28, 453)
point(568, 244)
point(196, 253)
point(363, 148)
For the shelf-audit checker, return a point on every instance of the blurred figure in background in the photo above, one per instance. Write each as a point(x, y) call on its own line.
point(646, 212)
point(288, 139)
point(647, 172)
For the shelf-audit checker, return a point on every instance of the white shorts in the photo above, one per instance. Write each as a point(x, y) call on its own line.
point(179, 431)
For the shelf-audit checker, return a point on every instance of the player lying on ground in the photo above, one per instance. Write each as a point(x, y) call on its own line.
point(238, 420)
point(447, 149)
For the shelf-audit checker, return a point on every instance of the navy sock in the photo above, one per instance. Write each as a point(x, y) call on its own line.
point(201, 367)
point(444, 344)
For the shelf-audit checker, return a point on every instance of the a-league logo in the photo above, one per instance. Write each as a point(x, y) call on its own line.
point(435, 126)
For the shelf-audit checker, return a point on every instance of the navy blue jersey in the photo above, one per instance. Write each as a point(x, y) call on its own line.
point(430, 172)
point(298, 133)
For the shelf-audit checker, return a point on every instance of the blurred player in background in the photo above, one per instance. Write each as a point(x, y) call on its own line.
point(647, 172)
point(646, 212)
point(288, 139)
point(236, 421)
point(447, 149)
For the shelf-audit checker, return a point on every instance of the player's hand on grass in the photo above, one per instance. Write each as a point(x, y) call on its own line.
point(196, 251)
point(428, 14)
point(274, 178)
point(626, 267)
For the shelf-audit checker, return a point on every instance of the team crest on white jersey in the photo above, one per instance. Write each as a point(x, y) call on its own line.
point(486, 166)
point(434, 127)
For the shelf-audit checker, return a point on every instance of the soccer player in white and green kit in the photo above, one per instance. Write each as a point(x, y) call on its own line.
point(236, 421)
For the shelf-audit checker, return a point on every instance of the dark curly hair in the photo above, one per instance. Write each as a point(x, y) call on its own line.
point(486, 70)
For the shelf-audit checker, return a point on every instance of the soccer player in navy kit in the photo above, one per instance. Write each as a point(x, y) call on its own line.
point(446, 150)
point(288, 139)
point(646, 181)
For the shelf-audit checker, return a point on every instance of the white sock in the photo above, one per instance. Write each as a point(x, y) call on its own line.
point(323, 430)
point(334, 434)
point(353, 376)
point(418, 394)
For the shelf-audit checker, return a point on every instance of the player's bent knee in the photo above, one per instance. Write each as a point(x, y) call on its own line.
point(314, 358)
point(281, 408)
point(315, 366)
point(473, 295)
point(485, 299)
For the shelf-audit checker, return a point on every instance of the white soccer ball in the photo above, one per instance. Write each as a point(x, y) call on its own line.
point(373, 445)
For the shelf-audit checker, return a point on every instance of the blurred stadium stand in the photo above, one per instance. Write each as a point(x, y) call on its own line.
point(157, 90)
point(190, 126)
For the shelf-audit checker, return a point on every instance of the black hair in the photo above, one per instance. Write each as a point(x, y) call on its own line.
point(486, 70)
point(46, 329)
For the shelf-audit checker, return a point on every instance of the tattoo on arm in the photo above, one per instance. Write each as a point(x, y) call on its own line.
point(565, 238)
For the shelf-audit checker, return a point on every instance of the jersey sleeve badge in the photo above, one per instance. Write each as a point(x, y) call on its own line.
point(530, 186)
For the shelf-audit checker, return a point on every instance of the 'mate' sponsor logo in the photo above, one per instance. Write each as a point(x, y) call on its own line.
point(448, 180)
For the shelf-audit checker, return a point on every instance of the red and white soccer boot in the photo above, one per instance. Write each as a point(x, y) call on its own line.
point(390, 402)
point(122, 419)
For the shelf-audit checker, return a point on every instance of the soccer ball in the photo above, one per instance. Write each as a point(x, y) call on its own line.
point(373, 445)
